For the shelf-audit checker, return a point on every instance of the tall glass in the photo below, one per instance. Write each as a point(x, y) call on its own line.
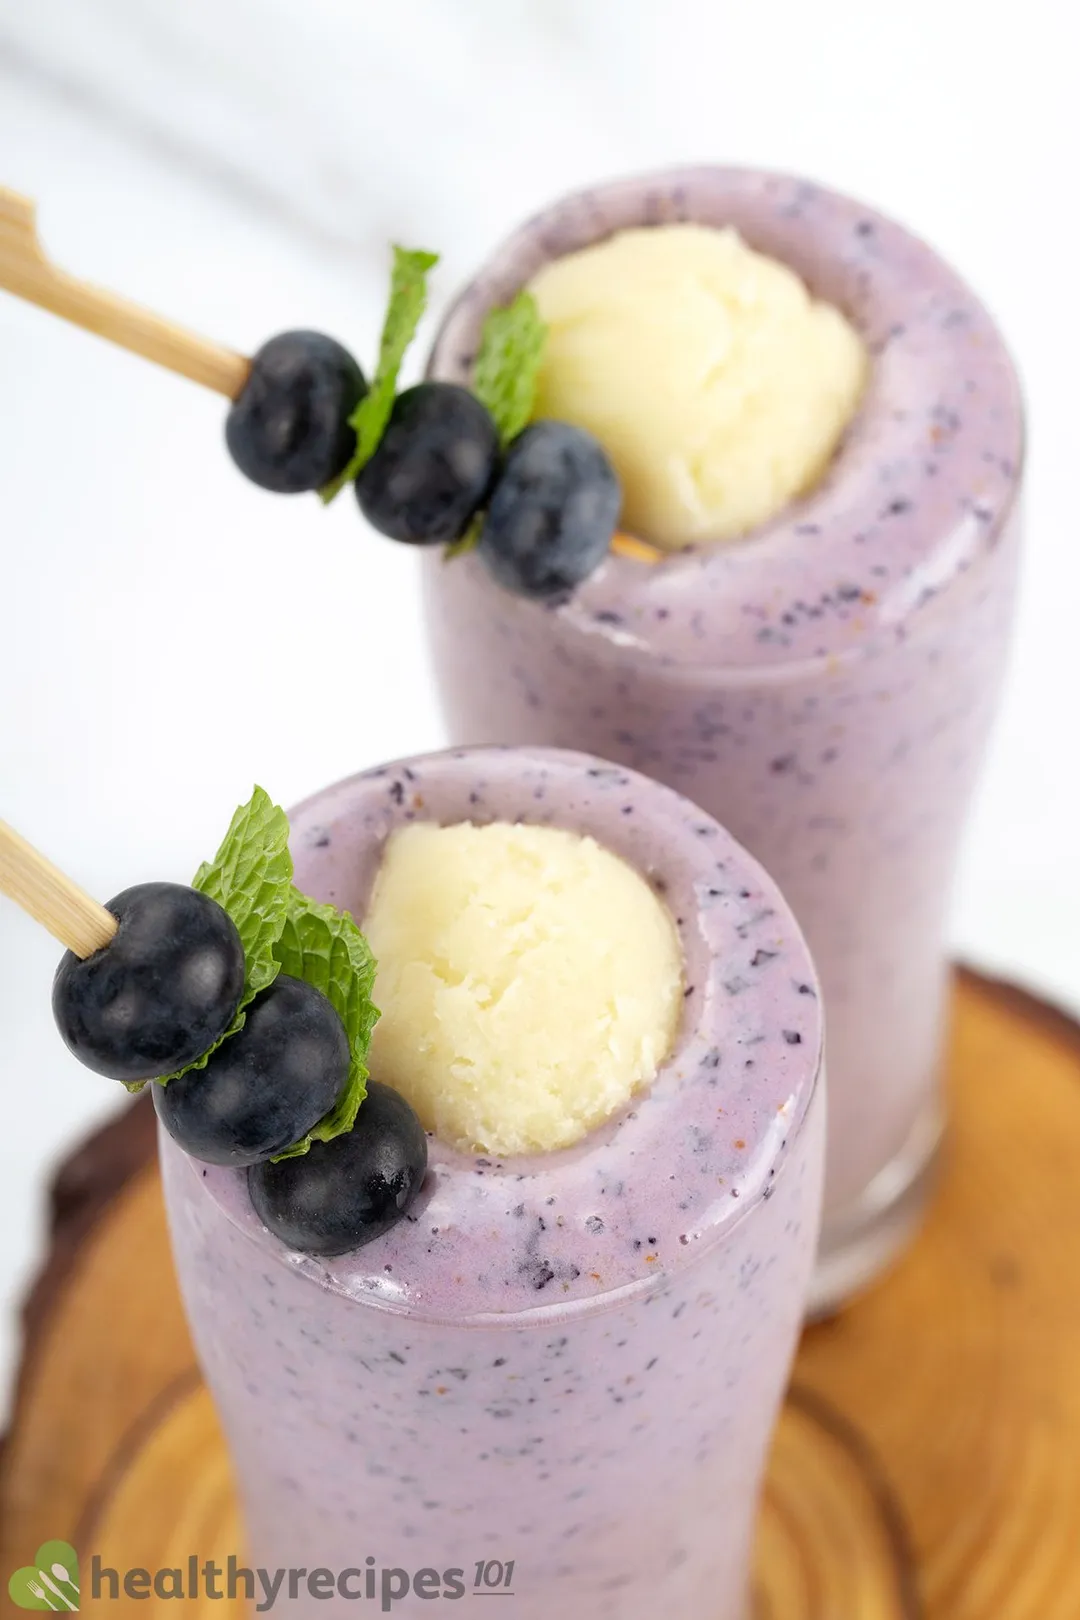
point(569, 1363)
point(825, 686)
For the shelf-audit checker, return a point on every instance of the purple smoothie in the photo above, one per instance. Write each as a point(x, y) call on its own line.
point(575, 1360)
point(823, 687)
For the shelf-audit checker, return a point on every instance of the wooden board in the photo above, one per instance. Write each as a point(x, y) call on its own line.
point(927, 1466)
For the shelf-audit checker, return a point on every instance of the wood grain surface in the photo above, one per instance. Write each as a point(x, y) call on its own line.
point(927, 1466)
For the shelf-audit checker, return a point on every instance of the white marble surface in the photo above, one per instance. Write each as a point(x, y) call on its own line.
point(171, 634)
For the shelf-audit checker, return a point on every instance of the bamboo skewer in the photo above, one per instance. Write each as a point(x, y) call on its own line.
point(52, 898)
point(26, 271)
point(628, 545)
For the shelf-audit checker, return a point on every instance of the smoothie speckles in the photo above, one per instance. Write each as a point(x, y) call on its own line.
point(937, 353)
point(559, 1328)
point(834, 712)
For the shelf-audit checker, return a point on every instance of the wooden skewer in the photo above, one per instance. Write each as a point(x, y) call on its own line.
point(70, 914)
point(628, 545)
point(26, 271)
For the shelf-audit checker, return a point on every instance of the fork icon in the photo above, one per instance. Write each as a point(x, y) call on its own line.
point(39, 1592)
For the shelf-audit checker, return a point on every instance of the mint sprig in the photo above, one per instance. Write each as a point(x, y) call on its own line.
point(325, 947)
point(408, 297)
point(465, 542)
point(249, 877)
point(506, 376)
point(507, 370)
point(283, 931)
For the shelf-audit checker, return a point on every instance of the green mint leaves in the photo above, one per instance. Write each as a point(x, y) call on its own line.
point(325, 947)
point(249, 878)
point(408, 297)
point(507, 369)
point(282, 931)
point(465, 542)
point(505, 376)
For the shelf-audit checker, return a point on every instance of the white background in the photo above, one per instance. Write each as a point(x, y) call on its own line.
point(170, 634)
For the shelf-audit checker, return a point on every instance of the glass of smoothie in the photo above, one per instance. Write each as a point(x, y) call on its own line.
point(818, 430)
point(558, 1374)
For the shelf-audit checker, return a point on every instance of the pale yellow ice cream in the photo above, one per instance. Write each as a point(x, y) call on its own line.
point(530, 982)
point(717, 385)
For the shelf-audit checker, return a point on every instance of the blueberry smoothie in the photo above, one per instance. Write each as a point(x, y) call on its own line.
point(569, 1361)
point(823, 684)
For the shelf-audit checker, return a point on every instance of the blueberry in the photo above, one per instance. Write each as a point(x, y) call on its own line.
point(433, 467)
point(289, 429)
point(160, 993)
point(552, 512)
point(266, 1086)
point(342, 1194)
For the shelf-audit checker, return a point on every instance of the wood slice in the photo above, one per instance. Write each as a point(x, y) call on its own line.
point(927, 1465)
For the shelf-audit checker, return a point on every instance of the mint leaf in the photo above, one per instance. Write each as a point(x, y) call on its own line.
point(250, 876)
point(408, 296)
point(507, 369)
point(505, 379)
point(465, 542)
point(325, 947)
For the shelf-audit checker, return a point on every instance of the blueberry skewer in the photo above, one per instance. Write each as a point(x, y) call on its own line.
point(288, 429)
point(256, 1064)
point(147, 983)
point(435, 465)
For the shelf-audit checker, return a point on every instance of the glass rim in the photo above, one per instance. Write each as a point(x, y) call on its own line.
point(679, 1097)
